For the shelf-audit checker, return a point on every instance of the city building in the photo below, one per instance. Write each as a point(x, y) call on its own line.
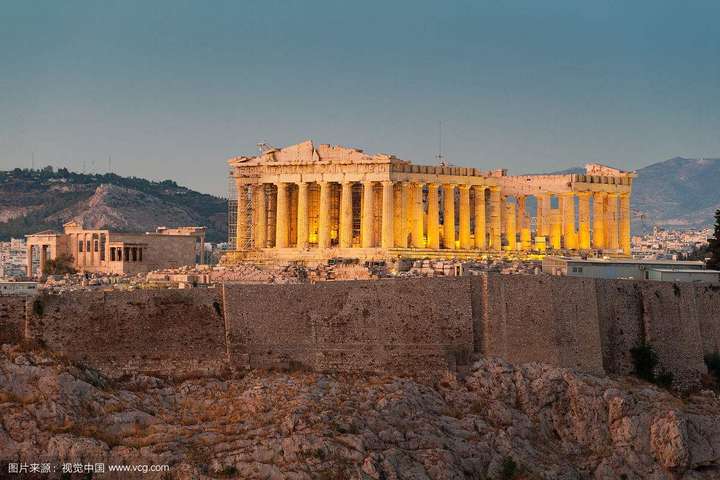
point(308, 202)
point(686, 275)
point(18, 288)
point(627, 268)
point(104, 251)
point(12, 258)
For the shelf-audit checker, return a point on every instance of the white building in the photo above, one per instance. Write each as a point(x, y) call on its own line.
point(18, 288)
point(692, 276)
point(627, 268)
point(12, 258)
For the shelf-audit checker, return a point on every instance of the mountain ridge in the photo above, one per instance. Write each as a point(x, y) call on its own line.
point(35, 200)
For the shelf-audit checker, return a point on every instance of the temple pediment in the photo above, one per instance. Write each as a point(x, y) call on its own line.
point(307, 153)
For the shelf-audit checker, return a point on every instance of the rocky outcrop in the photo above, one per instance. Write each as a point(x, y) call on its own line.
point(498, 421)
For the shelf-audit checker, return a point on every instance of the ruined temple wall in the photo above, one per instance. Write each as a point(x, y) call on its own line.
point(12, 318)
point(168, 332)
point(397, 325)
point(538, 319)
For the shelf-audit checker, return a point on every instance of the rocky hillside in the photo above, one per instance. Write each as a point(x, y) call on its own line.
point(34, 200)
point(498, 422)
point(678, 193)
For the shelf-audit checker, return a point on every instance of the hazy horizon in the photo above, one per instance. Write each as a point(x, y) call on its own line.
point(171, 90)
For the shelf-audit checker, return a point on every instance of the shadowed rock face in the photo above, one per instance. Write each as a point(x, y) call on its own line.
point(552, 422)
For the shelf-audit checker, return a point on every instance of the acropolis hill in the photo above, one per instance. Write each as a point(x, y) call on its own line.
point(317, 202)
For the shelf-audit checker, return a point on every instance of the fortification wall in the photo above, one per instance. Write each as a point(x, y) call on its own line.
point(672, 326)
point(708, 306)
point(168, 332)
point(398, 325)
point(538, 319)
point(12, 318)
point(620, 316)
point(402, 325)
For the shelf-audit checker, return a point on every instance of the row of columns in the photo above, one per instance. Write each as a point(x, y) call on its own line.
point(609, 229)
point(403, 217)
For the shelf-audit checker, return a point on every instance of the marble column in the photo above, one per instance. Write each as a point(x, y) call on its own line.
point(495, 219)
point(281, 217)
point(398, 216)
point(324, 216)
point(241, 220)
point(449, 216)
point(569, 235)
point(545, 199)
point(302, 216)
point(406, 207)
point(480, 242)
point(85, 250)
point(388, 211)
point(465, 217)
point(598, 234)
point(346, 215)
point(433, 217)
point(625, 223)
point(555, 228)
point(43, 258)
point(510, 225)
point(584, 220)
point(418, 234)
point(523, 224)
point(611, 226)
point(368, 216)
point(260, 217)
point(28, 261)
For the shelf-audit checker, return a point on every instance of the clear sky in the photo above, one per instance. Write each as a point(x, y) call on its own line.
point(171, 89)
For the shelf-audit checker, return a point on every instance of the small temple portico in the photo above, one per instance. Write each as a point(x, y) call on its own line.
point(308, 202)
point(108, 252)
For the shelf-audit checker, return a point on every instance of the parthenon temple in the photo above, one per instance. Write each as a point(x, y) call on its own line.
point(314, 202)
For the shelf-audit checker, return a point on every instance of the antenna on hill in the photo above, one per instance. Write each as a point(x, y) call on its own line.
point(439, 156)
point(32, 162)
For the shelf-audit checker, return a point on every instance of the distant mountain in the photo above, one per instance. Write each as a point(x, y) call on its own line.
point(678, 193)
point(34, 200)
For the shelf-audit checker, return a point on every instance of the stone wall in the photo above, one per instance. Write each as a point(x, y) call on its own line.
point(398, 325)
point(538, 319)
point(160, 331)
point(402, 325)
point(12, 318)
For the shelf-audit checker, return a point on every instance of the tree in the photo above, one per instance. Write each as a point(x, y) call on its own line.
point(714, 262)
point(59, 266)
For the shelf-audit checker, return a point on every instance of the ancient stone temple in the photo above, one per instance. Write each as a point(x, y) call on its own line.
point(108, 252)
point(315, 202)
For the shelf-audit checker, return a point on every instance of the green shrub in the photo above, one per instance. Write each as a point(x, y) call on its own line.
point(644, 361)
point(509, 469)
point(38, 307)
point(712, 361)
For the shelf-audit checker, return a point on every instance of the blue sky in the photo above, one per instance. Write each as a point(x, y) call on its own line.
point(171, 89)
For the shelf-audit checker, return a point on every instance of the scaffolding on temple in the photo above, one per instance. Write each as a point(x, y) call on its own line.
point(239, 209)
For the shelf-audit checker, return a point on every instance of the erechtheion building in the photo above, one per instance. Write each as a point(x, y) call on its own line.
point(105, 251)
point(314, 202)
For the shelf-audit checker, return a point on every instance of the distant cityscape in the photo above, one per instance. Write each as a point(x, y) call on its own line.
point(666, 244)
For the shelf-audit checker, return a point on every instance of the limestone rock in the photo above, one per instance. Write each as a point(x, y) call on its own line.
point(549, 423)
